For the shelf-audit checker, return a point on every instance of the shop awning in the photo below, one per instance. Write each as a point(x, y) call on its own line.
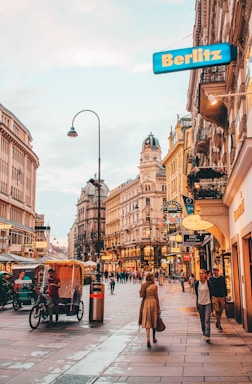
point(10, 257)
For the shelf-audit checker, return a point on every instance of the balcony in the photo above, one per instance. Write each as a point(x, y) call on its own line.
point(207, 182)
point(212, 81)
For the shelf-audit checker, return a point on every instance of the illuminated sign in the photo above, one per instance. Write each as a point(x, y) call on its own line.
point(194, 57)
point(186, 257)
point(4, 226)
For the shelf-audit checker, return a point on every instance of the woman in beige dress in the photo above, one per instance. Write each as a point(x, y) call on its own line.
point(149, 309)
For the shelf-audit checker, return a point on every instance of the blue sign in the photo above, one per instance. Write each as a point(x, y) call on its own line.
point(194, 57)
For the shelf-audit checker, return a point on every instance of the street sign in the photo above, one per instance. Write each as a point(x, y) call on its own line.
point(193, 57)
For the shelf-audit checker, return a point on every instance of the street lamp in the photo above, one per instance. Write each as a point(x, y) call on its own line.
point(73, 133)
point(213, 99)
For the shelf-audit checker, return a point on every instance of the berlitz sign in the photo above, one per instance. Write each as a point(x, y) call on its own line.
point(194, 57)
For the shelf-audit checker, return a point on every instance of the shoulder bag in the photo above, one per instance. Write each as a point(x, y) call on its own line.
point(160, 324)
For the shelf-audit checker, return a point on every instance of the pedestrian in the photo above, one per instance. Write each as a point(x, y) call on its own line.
point(191, 281)
point(208, 273)
point(149, 309)
point(53, 294)
point(204, 291)
point(106, 275)
point(112, 285)
point(219, 295)
point(182, 280)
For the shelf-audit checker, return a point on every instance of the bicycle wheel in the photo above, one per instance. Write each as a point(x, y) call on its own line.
point(16, 304)
point(80, 312)
point(35, 317)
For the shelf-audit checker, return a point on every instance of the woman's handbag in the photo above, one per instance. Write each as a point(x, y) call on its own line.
point(160, 324)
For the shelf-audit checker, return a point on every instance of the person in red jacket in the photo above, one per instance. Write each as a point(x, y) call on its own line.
point(53, 294)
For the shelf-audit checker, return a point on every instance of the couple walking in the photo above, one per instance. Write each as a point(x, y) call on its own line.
point(211, 294)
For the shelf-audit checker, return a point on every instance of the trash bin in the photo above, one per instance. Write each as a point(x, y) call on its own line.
point(161, 280)
point(96, 302)
point(229, 308)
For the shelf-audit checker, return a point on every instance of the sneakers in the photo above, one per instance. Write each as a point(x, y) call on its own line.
point(218, 326)
point(207, 339)
point(148, 344)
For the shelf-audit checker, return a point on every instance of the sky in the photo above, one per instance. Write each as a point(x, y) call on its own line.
point(59, 57)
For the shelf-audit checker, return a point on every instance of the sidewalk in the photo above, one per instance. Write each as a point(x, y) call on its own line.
point(115, 351)
point(180, 354)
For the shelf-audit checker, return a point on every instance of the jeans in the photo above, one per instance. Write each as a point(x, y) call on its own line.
point(205, 316)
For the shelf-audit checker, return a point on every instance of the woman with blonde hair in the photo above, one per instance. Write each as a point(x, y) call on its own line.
point(150, 308)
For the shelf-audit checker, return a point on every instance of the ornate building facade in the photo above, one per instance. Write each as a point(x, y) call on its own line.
point(18, 167)
point(220, 181)
point(134, 214)
point(179, 142)
point(85, 228)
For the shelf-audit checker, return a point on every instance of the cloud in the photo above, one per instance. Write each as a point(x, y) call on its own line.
point(64, 34)
point(143, 67)
point(59, 57)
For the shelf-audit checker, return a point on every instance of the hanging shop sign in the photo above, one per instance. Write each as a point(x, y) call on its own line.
point(189, 204)
point(186, 257)
point(194, 57)
point(194, 238)
point(172, 206)
point(195, 223)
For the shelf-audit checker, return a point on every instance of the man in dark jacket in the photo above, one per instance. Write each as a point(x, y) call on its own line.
point(53, 294)
point(219, 294)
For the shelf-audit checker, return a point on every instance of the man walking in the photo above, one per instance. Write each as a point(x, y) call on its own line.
point(219, 294)
point(182, 280)
point(53, 294)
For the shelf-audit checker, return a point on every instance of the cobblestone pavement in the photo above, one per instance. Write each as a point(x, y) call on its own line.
point(115, 351)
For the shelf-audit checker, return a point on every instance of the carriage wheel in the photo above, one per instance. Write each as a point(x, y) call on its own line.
point(34, 317)
point(80, 312)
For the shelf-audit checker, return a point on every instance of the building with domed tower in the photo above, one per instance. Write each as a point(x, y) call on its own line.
point(134, 215)
point(85, 239)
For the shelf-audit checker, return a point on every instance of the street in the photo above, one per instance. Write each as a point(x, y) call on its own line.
point(115, 351)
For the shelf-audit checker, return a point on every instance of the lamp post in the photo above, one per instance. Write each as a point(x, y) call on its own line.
point(73, 133)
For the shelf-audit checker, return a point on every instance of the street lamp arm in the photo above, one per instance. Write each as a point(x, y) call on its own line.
point(99, 137)
point(86, 110)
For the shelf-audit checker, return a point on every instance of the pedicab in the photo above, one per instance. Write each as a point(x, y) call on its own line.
point(27, 280)
point(71, 275)
point(6, 288)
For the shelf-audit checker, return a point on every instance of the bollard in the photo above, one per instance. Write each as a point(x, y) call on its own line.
point(96, 302)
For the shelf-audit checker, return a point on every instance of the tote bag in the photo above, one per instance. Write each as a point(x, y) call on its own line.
point(160, 325)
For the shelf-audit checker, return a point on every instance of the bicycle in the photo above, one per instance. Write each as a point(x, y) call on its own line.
point(39, 311)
